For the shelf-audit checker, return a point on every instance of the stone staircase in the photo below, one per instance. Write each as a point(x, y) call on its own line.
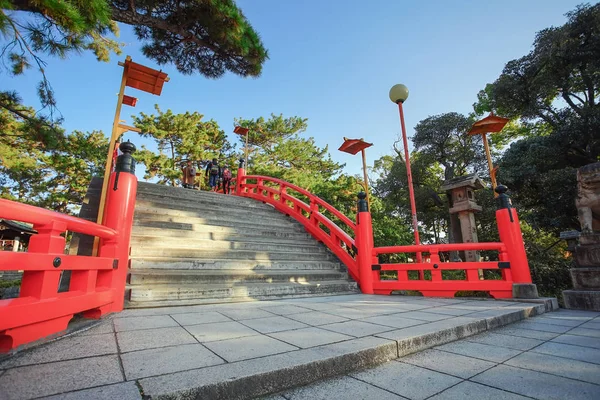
point(193, 247)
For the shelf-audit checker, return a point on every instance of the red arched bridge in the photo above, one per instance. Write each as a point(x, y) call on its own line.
point(97, 284)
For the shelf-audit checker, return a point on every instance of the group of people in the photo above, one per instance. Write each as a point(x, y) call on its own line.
point(216, 176)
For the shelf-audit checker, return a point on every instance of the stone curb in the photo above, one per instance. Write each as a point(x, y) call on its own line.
point(263, 376)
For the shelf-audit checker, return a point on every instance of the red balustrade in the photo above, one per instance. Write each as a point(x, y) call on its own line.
point(97, 284)
point(362, 258)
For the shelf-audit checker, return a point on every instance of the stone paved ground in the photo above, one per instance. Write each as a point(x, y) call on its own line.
point(162, 351)
point(555, 356)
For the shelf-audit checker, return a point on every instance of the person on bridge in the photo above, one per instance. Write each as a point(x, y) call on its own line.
point(189, 175)
point(213, 171)
point(226, 180)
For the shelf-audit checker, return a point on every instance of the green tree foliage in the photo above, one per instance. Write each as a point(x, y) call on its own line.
point(208, 37)
point(54, 177)
point(444, 139)
point(552, 94)
point(278, 150)
point(179, 137)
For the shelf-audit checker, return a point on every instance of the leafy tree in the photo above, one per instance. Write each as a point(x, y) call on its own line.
point(208, 37)
point(553, 94)
point(54, 177)
point(179, 137)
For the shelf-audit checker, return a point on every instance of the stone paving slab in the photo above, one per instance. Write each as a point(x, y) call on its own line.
point(471, 390)
point(407, 380)
point(340, 389)
point(153, 338)
point(536, 384)
point(448, 363)
point(152, 362)
point(120, 391)
point(241, 350)
point(58, 377)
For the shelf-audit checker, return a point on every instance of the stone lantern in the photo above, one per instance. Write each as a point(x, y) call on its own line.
point(462, 191)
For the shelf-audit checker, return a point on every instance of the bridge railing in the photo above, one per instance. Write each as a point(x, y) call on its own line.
point(362, 258)
point(97, 283)
point(283, 196)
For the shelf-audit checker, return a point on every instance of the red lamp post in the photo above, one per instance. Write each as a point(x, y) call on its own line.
point(353, 146)
point(398, 95)
point(490, 124)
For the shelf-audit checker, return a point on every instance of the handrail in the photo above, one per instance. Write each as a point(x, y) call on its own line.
point(337, 240)
point(319, 201)
point(428, 248)
point(38, 216)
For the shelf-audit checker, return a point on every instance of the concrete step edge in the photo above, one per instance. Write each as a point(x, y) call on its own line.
point(202, 212)
point(249, 221)
point(231, 225)
point(195, 243)
point(169, 303)
point(272, 374)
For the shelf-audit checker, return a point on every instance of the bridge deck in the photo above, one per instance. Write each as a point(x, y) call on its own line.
point(246, 350)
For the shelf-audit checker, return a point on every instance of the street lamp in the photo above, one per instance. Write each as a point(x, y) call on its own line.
point(353, 146)
point(398, 95)
point(490, 124)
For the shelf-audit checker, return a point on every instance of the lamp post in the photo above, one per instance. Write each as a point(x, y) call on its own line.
point(243, 132)
point(353, 146)
point(138, 77)
point(490, 124)
point(398, 95)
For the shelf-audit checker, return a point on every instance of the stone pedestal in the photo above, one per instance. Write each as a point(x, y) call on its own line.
point(462, 193)
point(585, 275)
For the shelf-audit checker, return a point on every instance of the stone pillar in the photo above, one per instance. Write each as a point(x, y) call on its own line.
point(16, 243)
point(469, 233)
point(585, 274)
point(462, 190)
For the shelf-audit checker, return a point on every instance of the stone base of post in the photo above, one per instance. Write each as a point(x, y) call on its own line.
point(525, 291)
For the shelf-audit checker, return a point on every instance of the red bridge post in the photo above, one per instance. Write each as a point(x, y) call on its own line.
point(240, 179)
point(364, 245)
point(120, 205)
point(509, 230)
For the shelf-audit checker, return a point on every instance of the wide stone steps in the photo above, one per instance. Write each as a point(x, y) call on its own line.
point(226, 264)
point(183, 277)
point(211, 214)
point(272, 255)
point(145, 247)
point(155, 237)
point(224, 226)
point(193, 247)
point(223, 292)
point(227, 220)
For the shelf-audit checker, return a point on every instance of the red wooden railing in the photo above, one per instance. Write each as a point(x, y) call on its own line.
point(97, 284)
point(361, 257)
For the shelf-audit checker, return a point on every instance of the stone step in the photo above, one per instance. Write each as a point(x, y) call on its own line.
point(224, 226)
point(180, 209)
point(237, 292)
point(228, 254)
point(179, 277)
point(146, 190)
point(156, 237)
point(249, 220)
point(139, 247)
point(171, 263)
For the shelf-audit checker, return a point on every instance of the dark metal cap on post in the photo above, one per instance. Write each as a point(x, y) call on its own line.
point(362, 203)
point(241, 165)
point(502, 201)
point(125, 162)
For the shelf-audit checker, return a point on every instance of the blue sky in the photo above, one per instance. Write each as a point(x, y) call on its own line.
point(332, 62)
